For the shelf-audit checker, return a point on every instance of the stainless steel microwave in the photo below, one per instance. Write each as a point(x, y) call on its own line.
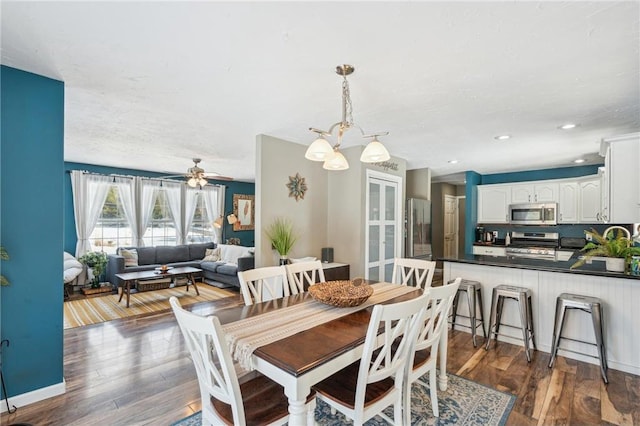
point(533, 214)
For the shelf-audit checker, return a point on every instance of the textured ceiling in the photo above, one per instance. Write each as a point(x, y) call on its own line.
point(150, 85)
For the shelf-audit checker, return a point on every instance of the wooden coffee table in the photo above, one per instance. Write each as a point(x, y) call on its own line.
point(129, 277)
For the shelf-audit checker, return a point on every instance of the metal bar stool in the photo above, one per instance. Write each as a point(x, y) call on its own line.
point(473, 290)
point(523, 297)
point(590, 305)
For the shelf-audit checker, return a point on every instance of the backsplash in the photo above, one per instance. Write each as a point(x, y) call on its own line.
point(574, 231)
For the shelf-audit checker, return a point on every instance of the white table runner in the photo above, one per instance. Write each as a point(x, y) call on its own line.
point(246, 335)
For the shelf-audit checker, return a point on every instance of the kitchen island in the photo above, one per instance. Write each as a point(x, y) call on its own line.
point(620, 295)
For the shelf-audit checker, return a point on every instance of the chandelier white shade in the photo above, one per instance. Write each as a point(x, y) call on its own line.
point(322, 150)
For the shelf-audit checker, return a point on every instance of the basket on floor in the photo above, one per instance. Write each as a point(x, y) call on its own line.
point(153, 285)
point(343, 293)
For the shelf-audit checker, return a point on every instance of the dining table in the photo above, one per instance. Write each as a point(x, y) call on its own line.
point(297, 341)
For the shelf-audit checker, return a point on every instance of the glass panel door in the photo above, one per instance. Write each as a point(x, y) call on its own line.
point(383, 227)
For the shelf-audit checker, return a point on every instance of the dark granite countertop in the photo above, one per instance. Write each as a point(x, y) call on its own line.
point(596, 268)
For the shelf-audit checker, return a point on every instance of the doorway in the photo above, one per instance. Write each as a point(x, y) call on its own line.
point(383, 225)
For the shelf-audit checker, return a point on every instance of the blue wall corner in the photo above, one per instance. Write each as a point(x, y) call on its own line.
point(31, 218)
point(472, 180)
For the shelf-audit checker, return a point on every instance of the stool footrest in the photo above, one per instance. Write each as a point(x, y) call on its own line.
point(577, 352)
point(576, 340)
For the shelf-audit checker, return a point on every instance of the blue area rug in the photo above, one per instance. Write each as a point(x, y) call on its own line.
point(464, 403)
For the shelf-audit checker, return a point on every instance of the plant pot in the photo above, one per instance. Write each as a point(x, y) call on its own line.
point(615, 264)
point(284, 260)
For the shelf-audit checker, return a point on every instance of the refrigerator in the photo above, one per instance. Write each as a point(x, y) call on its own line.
point(418, 229)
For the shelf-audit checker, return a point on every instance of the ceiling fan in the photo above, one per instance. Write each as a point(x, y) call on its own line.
point(197, 176)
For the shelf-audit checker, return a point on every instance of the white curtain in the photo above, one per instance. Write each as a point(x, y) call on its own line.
point(174, 197)
point(211, 196)
point(190, 204)
point(125, 187)
point(89, 193)
point(148, 190)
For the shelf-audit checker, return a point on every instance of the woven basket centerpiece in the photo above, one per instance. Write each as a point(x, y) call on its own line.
point(344, 293)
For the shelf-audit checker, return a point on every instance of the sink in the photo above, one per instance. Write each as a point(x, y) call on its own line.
point(563, 255)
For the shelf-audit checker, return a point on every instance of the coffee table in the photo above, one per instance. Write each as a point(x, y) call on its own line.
point(129, 277)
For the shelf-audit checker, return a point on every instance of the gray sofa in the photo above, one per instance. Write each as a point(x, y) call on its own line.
point(219, 274)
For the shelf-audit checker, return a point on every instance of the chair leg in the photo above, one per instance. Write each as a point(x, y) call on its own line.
point(471, 299)
point(406, 400)
point(556, 336)
point(530, 317)
point(479, 292)
point(524, 322)
point(433, 390)
point(596, 317)
point(492, 318)
point(499, 314)
point(454, 309)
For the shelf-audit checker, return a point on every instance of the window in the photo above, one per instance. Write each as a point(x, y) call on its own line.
point(161, 230)
point(201, 229)
point(112, 229)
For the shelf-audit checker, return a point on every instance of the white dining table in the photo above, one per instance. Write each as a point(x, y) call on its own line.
point(299, 361)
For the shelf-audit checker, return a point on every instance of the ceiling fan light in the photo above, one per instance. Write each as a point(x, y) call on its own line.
point(319, 150)
point(192, 182)
point(374, 152)
point(202, 182)
point(337, 162)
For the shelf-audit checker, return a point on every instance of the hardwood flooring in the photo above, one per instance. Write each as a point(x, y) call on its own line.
point(136, 371)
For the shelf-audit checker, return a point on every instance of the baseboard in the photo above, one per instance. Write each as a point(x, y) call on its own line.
point(34, 396)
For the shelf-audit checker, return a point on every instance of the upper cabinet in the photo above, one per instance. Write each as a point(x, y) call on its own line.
point(534, 193)
point(493, 203)
point(589, 207)
point(568, 193)
point(622, 178)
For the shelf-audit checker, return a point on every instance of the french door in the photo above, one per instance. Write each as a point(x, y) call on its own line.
point(383, 225)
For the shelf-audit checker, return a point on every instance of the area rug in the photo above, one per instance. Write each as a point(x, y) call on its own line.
point(94, 310)
point(464, 403)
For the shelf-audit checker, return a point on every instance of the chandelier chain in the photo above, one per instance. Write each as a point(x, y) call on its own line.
point(346, 94)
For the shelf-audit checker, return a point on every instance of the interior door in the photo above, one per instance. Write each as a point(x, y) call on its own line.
point(383, 225)
point(450, 226)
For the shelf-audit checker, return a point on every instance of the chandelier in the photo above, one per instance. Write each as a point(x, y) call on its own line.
point(322, 150)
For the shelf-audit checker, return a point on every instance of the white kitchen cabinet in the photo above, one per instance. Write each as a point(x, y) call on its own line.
point(493, 203)
point(534, 192)
point(568, 196)
point(489, 251)
point(623, 172)
point(589, 208)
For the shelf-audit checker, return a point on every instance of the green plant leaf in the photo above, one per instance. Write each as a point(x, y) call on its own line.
point(281, 235)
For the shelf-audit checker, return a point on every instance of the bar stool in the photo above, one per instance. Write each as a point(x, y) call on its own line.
point(473, 290)
point(590, 305)
point(523, 297)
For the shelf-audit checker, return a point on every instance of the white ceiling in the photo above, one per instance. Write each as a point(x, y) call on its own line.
point(150, 85)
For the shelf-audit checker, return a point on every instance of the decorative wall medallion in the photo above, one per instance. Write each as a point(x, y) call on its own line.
point(297, 186)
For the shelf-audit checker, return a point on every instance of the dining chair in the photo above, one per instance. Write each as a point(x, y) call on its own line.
point(262, 284)
point(368, 386)
point(225, 400)
point(425, 354)
point(302, 273)
point(415, 272)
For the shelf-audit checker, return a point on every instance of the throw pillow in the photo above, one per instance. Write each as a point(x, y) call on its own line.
point(212, 255)
point(130, 257)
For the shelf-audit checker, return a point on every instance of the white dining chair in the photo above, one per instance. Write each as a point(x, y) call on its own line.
point(415, 272)
point(262, 284)
point(302, 273)
point(425, 354)
point(365, 388)
point(224, 399)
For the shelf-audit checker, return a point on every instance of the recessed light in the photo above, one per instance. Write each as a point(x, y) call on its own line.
point(568, 126)
point(579, 160)
point(453, 161)
point(502, 137)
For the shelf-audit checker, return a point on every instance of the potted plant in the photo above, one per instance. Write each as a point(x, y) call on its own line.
point(615, 246)
point(97, 261)
point(282, 237)
point(3, 256)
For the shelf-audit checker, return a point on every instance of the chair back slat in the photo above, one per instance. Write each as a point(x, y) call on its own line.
point(415, 272)
point(262, 284)
point(302, 273)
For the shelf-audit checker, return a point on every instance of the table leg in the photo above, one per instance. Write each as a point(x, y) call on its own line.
point(128, 291)
point(442, 380)
point(121, 292)
point(193, 280)
point(297, 412)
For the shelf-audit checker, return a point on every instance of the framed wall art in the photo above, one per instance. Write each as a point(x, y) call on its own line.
point(244, 209)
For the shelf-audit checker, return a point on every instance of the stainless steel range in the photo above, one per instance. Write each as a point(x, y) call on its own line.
point(533, 245)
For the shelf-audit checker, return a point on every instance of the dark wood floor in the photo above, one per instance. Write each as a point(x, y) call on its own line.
point(136, 372)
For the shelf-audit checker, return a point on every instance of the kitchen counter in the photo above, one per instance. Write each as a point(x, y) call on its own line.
point(547, 279)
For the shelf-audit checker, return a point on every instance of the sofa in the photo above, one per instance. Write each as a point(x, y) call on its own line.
point(220, 268)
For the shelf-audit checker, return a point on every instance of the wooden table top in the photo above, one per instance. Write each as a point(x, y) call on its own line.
point(308, 349)
point(141, 275)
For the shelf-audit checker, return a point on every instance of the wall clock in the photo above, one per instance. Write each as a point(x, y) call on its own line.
point(297, 186)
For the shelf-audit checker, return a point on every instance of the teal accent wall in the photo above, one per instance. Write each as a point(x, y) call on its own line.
point(31, 218)
point(247, 238)
point(544, 174)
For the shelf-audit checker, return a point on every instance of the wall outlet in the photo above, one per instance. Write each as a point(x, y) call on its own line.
point(588, 237)
point(495, 234)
